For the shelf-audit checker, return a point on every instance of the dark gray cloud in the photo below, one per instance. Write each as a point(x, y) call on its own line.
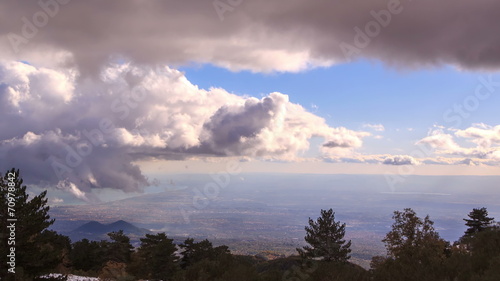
point(260, 35)
point(229, 131)
point(332, 144)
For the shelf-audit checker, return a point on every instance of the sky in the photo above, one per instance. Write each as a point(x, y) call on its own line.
point(100, 94)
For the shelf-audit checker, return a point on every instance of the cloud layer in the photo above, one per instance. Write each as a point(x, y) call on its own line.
point(482, 143)
point(84, 133)
point(259, 35)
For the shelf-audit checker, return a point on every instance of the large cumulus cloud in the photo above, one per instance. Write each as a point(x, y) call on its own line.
point(260, 35)
point(78, 134)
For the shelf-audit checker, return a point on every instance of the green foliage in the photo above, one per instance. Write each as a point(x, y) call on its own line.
point(201, 261)
point(326, 239)
point(87, 255)
point(414, 250)
point(155, 259)
point(37, 250)
point(337, 272)
point(92, 256)
point(281, 265)
point(53, 251)
point(478, 221)
point(485, 252)
point(295, 268)
point(225, 267)
point(412, 234)
point(119, 249)
point(491, 273)
point(195, 252)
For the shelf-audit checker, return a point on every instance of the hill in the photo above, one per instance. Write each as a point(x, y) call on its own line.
point(95, 230)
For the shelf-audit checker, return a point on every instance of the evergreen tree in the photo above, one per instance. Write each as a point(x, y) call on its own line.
point(53, 251)
point(87, 255)
point(155, 259)
point(478, 221)
point(193, 252)
point(224, 267)
point(326, 239)
point(32, 218)
point(484, 253)
point(119, 249)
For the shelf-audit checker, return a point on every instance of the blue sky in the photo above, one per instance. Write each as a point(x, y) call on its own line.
point(406, 102)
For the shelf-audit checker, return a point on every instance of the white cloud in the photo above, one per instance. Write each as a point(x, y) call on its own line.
point(375, 127)
point(341, 142)
point(483, 135)
point(485, 138)
point(386, 159)
point(443, 149)
point(73, 189)
point(400, 160)
point(87, 133)
point(56, 200)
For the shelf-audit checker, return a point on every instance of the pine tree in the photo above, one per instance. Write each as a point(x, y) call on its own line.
point(31, 220)
point(326, 239)
point(193, 252)
point(155, 259)
point(119, 249)
point(484, 254)
point(87, 255)
point(478, 221)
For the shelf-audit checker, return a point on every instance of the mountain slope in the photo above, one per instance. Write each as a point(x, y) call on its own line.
point(94, 230)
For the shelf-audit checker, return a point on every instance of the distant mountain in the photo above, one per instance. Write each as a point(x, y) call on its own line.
point(94, 230)
point(91, 227)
